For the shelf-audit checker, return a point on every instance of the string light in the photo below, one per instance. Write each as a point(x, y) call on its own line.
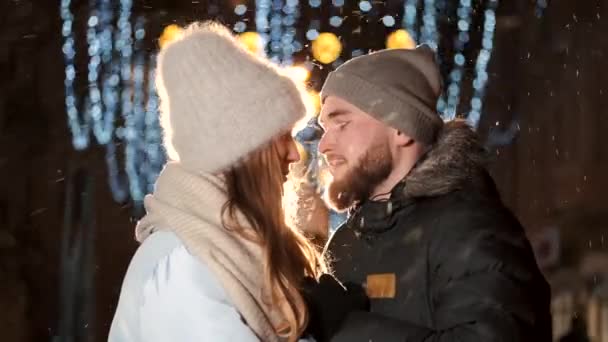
point(118, 69)
point(262, 11)
point(312, 34)
point(410, 15)
point(453, 91)
point(240, 26)
point(388, 21)
point(541, 6)
point(276, 31)
point(314, 25)
point(481, 77)
point(335, 21)
point(79, 127)
point(289, 46)
point(123, 81)
point(94, 99)
point(99, 42)
point(155, 154)
point(103, 116)
point(429, 24)
point(134, 118)
point(365, 6)
point(314, 3)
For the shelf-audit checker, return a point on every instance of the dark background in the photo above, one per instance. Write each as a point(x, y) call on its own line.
point(544, 118)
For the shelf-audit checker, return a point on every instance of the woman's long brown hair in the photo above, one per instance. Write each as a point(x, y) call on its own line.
point(255, 189)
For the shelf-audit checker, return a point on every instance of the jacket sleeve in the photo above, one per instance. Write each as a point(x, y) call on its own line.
point(184, 302)
point(485, 285)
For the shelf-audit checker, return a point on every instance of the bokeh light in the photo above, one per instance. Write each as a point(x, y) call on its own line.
point(170, 33)
point(400, 39)
point(326, 48)
point(252, 41)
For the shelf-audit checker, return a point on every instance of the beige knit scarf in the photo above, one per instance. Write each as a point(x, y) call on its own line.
point(190, 205)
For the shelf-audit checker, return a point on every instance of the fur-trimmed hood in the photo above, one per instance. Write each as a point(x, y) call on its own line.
point(456, 160)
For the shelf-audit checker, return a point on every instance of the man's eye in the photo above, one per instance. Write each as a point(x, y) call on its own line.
point(342, 125)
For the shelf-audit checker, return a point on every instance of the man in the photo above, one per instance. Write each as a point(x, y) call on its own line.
point(440, 256)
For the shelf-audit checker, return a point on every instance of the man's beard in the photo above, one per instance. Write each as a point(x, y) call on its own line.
point(357, 184)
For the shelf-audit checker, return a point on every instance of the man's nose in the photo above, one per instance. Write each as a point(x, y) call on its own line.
point(325, 144)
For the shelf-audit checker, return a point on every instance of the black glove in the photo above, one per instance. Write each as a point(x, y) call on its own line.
point(329, 303)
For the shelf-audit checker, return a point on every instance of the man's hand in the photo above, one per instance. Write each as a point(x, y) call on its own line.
point(329, 302)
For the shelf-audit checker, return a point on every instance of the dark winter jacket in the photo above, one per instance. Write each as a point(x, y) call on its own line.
point(464, 268)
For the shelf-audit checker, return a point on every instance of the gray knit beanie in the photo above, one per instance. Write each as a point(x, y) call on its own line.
point(218, 101)
point(399, 87)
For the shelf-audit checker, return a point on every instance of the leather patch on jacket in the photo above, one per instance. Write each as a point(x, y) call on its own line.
point(381, 285)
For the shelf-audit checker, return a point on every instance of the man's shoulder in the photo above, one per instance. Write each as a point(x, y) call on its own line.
point(459, 215)
point(468, 203)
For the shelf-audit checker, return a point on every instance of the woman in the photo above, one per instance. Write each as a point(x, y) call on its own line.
point(217, 261)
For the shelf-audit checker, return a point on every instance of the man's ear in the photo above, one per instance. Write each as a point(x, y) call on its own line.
point(403, 140)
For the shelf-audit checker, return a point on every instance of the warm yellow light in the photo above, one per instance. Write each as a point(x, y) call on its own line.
point(298, 73)
point(252, 41)
point(169, 33)
point(326, 48)
point(315, 100)
point(400, 39)
point(302, 152)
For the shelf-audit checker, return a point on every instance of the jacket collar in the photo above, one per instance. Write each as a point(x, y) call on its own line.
point(457, 161)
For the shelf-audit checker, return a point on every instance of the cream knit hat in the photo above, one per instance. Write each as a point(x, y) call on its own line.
point(218, 101)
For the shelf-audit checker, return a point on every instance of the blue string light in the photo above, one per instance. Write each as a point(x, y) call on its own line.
point(123, 81)
point(262, 11)
point(102, 104)
point(388, 21)
point(276, 31)
point(79, 127)
point(240, 26)
point(94, 50)
point(365, 6)
point(314, 25)
point(155, 154)
point(134, 115)
point(120, 74)
point(429, 25)
point(314, 3)
point(541, 6)
point(336, 20)
point(410, 15)
point(481, 77)
point(288, 40)
point(104, 128)
point(453, 91)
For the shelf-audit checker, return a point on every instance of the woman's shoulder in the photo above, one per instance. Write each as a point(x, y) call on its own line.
point(168, 294)
point(163, 277)
point(162, 262)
